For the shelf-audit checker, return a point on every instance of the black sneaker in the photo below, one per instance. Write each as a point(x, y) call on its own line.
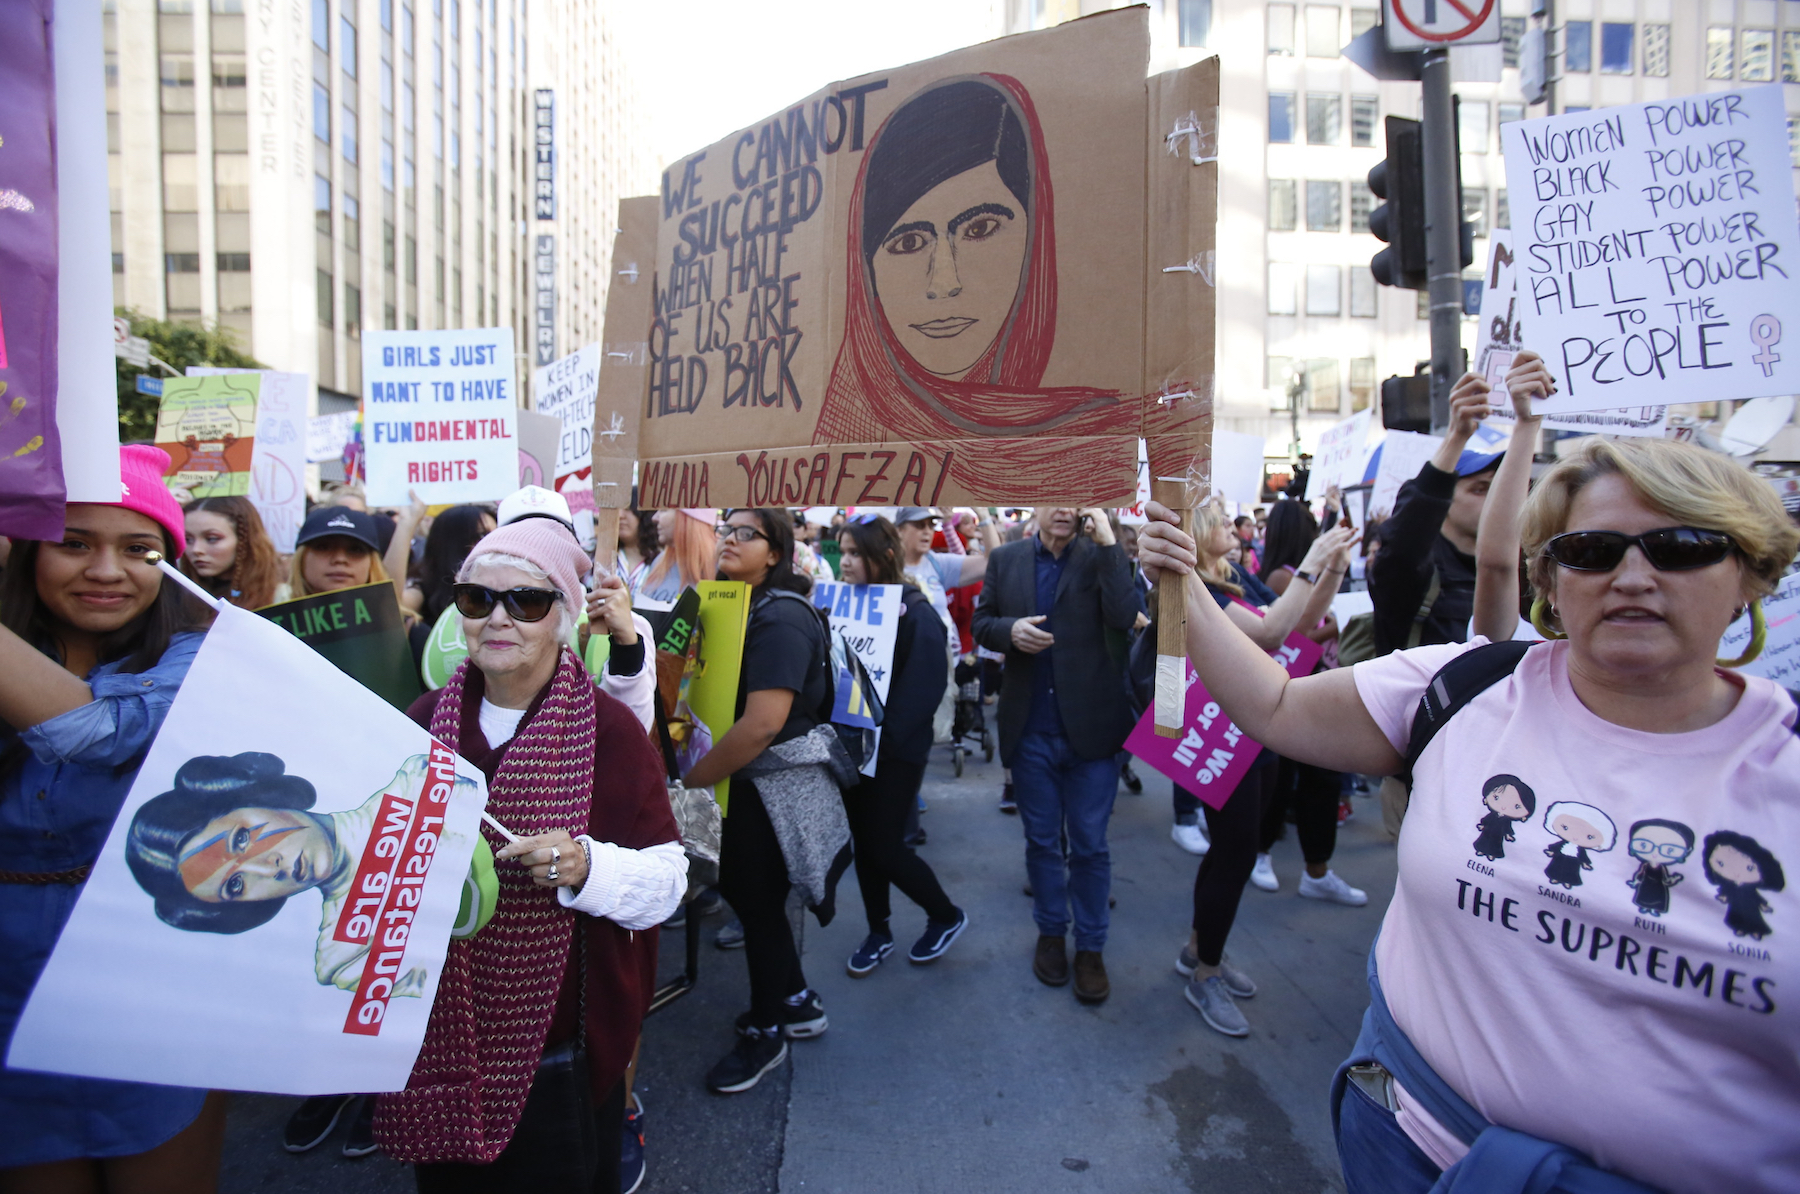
point(314, 1120)
point(798, 1023)
point(758, 1050)
point(870, 954)
point(360, 1140)
point(632, 1165)
point(1133, 784)
point(731, 936)
point(937, 939)
point(1007, 805)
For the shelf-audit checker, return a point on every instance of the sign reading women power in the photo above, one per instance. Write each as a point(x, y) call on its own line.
point(1658, 250)
point(285, 872)
point(438, 415)
point(925, 285)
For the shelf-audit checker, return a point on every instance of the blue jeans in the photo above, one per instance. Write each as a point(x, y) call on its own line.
point(1058, 793)
point(1377, 1155)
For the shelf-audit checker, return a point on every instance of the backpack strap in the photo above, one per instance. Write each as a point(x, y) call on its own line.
point(1455, 685)
point(1432, 592)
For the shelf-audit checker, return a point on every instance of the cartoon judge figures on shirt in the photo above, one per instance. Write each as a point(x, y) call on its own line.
point(1579, 825)
point(1508, 800)
point(1659, 846)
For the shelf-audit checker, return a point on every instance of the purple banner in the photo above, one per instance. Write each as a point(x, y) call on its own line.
point(1212, 754)
point(31, 480)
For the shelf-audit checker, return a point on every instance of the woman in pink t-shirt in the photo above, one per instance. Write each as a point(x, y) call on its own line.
point(1530, 1019)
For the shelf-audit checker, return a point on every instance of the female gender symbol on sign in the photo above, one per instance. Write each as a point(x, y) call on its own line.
point(1422, 21)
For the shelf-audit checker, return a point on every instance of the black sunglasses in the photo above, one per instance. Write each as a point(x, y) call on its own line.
point(1669, 549)
point(523, 605)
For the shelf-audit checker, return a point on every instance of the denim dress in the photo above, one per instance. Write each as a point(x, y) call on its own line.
point(56, 808)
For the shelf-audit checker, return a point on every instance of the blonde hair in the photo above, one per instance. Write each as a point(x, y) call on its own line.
point(1214, 570)
point(1691, 485)
point(297, 572)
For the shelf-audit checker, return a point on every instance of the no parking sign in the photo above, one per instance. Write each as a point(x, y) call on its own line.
point(1434, 24)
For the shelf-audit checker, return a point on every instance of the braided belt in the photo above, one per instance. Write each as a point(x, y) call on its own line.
point(45, 878)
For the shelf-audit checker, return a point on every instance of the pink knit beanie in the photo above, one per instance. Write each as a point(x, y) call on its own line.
point(549, 545)
point(142, 488)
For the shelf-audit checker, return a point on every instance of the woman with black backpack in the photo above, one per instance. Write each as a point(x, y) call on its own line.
point(784, 824)
point(870, 554)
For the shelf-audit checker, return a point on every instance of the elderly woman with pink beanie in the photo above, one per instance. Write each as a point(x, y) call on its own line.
point(94, 645)
point(519, 1085)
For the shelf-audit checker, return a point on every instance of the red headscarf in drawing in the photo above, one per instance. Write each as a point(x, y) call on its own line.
point(878, 392)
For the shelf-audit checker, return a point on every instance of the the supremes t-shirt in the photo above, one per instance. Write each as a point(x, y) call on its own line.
point(1593, 937)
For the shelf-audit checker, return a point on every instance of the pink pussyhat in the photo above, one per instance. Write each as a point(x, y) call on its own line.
point(142, 488)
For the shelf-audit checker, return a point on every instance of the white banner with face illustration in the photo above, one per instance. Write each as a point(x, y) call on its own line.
point(272, 908)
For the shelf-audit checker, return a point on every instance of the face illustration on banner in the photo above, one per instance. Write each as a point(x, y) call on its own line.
point(952, 277)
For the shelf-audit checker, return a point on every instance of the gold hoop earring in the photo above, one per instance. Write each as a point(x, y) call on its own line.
point(1759, 634)
point(1540, 623)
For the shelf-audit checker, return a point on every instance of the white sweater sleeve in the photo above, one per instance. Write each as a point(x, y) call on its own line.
point(636, 692)
point(635, 889)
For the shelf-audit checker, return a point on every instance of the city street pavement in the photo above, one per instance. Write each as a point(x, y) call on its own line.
point(969, 1073)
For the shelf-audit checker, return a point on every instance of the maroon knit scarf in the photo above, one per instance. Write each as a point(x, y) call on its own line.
point(498, 990)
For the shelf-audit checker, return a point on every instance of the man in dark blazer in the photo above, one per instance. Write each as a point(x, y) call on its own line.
point(1059, 605)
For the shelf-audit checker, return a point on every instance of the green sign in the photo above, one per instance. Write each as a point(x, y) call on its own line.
point(360, 630)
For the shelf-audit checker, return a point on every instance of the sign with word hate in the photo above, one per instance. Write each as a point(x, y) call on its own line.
point(1658, 250)
point(439, 416)
point(868, 616)
point(1212, 754)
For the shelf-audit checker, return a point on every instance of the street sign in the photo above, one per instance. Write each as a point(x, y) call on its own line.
point(149, 385)
point(1436, 24)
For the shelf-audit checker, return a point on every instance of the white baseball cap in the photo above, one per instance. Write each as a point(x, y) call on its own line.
point(534, 501)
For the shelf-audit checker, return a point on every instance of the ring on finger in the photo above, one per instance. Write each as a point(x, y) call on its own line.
point(552, 876)
point(555, 855)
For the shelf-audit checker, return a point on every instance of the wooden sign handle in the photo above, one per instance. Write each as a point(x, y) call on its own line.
point(1171, 624)
point(606, 542)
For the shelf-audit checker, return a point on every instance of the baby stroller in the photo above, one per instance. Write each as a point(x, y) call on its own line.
point(970, 718)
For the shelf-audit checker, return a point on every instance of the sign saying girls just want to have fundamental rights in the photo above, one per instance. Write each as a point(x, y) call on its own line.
point(440, 415)
point(1657, 249)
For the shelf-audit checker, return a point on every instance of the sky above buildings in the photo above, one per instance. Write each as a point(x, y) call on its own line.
point(707, 68)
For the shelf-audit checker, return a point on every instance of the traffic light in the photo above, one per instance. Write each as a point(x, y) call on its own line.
point(1400, 221)
point(1406, 401)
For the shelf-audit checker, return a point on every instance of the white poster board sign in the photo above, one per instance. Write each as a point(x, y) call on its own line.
point(1237, 466)
point(1403, 454)
point(280, 455)
point(567, 389)
point(372, 822)
point(439, 416)
point(1134, 515)
point(1780, 658)
point(1341, 455)
point(1658, 249)
point(868, 616)
point(1500, 337)
point(327, 435)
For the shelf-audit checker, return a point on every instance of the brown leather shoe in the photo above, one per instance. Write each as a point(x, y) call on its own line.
point(1090, 977)
point(1051, 965)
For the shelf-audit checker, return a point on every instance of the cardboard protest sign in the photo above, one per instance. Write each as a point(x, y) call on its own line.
point(279, 457)
point(1212, 754)
point(625, 354)
point(927, 286)
point(1501, 336)
point(439, 414)
point(284, 872)
point(1342, 452)
point(1780, 658)
point(868, 616)
point(361, 631)
point(207, 425)
point(1657, 248)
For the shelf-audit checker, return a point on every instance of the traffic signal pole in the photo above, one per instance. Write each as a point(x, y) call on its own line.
point(1443, 231)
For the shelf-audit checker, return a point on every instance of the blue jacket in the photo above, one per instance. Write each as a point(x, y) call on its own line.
point(57, 805)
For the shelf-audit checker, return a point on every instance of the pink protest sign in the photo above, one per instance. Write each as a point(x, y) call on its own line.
point(1212, 754)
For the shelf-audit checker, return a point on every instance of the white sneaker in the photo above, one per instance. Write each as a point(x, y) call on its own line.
point(1190, 838)
point(1264, 874)
point(1332, 888)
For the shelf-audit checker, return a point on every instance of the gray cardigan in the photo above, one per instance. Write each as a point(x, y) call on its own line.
point(1095, 597)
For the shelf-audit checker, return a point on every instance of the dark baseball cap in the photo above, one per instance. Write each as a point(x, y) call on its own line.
point(340, 520)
